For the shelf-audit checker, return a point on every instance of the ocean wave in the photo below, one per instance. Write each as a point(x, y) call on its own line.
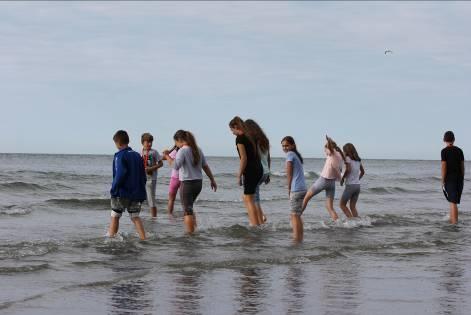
point(13, 210)
point(94, 203)
point(396, 190)
point(22, 186)
point(23, 269)
point(251, 261)
point(27, 249)
point(61, 175)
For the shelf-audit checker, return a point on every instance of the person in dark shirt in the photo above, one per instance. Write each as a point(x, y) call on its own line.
point(250, 168)
point(452, 174)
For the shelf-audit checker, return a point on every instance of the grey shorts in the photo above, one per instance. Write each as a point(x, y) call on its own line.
point(119, 205)
point(151, 186)
point(351, 193)
point(324, 184)
point(296, 201)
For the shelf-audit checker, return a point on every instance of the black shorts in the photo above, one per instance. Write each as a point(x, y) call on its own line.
point(250, 182)
point(453, 190)
point(189, 191)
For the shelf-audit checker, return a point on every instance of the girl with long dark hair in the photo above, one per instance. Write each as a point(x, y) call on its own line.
point(250, 169)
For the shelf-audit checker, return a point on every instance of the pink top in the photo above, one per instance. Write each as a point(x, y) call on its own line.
point(175, 174)
point(333, 165)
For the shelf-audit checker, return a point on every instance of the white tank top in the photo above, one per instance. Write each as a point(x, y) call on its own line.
point(353, 177)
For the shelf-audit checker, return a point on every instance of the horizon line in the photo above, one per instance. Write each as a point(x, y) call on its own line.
point(212, 156)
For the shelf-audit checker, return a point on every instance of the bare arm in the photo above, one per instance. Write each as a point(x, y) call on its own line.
point(208, 172)
point(289, 174)
point(362, 171)
point(443, 172)
point(347, 172)
point(243, 160)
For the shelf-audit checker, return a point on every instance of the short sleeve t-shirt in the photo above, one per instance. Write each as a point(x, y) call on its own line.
point(151, 158)
point(353, 177)
point(453, 156)
point(253, 161)
point(173, 155)
point(184, 163)
point(298, 182)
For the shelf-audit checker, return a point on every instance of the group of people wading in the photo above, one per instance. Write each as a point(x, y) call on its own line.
point(135, 176)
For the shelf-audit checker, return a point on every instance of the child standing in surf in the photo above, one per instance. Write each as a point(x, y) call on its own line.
point(263, 146)
point(174, 184)
point(190, 161)
point(152, 163)
point(296, 184)
point(353, 173)
point(326, 182)
point(250, 168)
point(452, 174)
point(128, 190)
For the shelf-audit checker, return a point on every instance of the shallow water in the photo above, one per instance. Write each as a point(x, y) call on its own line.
point(401, 258)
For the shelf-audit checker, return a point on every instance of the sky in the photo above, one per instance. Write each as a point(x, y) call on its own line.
point(71, 74)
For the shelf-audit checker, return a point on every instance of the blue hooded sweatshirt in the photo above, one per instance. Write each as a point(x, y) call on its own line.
point(129, 176)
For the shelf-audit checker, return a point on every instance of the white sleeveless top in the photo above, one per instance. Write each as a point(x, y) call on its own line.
point(354, 177)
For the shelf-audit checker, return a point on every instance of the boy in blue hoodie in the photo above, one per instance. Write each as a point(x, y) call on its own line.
point(128, 190)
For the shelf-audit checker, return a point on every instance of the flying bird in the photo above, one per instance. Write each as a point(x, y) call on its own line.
point(388, 52)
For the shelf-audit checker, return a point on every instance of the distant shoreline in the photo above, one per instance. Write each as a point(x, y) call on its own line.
point(210, 156)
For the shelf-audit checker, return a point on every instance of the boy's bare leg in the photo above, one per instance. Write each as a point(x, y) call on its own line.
point(297, 224)
point(453, 213)
point(189, 223)
point(329, 204)
point(114, 226)
point(139, 227)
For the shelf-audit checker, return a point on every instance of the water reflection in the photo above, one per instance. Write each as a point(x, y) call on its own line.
point(452, 283)
point(252, 291)
point(341, 286)
point(187, 293)
point(131, 297)
point(295, 292)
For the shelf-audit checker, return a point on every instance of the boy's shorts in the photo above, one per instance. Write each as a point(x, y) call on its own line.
point(453, 190)
point(151, 187)
point(119, 205)
point(296, 202)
